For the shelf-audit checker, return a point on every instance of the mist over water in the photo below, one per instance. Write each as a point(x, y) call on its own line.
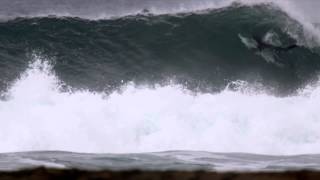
point(171, 76)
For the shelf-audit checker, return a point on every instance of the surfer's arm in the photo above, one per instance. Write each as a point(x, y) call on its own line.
point(288, 48)
point(291, 47)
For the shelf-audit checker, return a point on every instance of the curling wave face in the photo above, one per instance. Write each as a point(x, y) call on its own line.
point(194, 49)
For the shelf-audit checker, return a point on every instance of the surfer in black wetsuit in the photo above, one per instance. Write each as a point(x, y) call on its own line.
point(261, 45)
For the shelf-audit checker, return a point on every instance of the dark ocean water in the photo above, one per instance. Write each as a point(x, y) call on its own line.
point(174, 83)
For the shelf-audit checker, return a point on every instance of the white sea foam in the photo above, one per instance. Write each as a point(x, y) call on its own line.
point(38, 116)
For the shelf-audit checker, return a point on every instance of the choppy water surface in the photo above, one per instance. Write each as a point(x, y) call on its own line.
point(171, 160)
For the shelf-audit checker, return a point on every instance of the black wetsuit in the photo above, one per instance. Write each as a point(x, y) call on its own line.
point(262, 45)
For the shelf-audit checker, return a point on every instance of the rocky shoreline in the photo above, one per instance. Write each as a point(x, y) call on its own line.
point(68, 174)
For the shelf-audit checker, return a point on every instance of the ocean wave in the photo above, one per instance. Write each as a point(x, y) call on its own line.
point(191, 48)
point(195, 80)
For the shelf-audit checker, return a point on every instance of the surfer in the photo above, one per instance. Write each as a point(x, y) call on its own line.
point(261, 45)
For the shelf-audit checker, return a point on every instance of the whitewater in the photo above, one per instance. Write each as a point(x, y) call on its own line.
point(141, 119)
